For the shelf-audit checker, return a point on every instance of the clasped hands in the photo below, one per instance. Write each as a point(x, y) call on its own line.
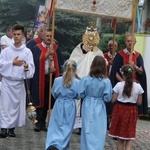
point(138, 70)
point(52, 69)
point(49, 52)
point(133, 64)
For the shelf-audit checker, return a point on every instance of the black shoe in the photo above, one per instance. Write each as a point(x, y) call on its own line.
point(3, 133)
point(79, 133)
point(43, 128)
point(11, 133)
point(37, 128)
point(53, 148)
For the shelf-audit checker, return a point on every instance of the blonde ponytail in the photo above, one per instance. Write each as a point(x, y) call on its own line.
point(70, 67)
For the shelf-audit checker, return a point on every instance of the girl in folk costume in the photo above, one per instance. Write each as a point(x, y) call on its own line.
point(63, 115)
point(95, 89)
point(127, 94)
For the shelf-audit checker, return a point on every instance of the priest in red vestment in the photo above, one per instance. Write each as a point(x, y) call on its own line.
point(110, 54)
point(40, 82)
point(40, 32)
point(121, 58)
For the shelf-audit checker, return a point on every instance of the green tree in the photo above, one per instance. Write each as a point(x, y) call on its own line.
point(17, 11)
point(69, 30)
point(119, 38)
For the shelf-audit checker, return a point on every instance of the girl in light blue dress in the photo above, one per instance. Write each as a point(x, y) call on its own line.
point(63, 114)
point(95, 89)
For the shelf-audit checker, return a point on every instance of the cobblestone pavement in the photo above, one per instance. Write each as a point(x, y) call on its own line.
point(27, 139)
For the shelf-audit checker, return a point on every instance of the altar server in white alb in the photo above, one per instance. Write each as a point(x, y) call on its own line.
point(13, 61)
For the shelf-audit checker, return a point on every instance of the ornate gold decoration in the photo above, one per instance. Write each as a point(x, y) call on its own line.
point(26, 69)
point(91, 36)
point(104, 8)
point(94, 5)
point(31, 112)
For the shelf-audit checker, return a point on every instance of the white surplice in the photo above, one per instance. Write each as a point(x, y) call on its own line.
point(84, 60)
point(13, 95)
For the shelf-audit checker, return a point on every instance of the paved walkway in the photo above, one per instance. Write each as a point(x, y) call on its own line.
point(27, 139)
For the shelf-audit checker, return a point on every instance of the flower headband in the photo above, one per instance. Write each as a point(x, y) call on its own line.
point(129, 70)
point(121, 71)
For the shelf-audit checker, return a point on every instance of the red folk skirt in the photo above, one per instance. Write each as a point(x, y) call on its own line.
point(123, 122)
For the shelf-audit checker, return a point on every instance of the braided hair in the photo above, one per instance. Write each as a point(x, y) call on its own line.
point(127, 71)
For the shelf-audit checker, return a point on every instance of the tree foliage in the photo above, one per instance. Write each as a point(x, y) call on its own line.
point(107, 37)
point(17, 11)
point(69, 28)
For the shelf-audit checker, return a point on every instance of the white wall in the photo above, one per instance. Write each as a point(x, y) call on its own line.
point(145, 13)
point(147, 65)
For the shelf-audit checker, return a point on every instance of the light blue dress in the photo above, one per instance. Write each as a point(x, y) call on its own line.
point(63, 114)
point(95, 92)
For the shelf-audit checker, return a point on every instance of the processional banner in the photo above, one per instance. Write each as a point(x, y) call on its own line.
point(40, 16)
point(44, 13)
point(109, 8)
